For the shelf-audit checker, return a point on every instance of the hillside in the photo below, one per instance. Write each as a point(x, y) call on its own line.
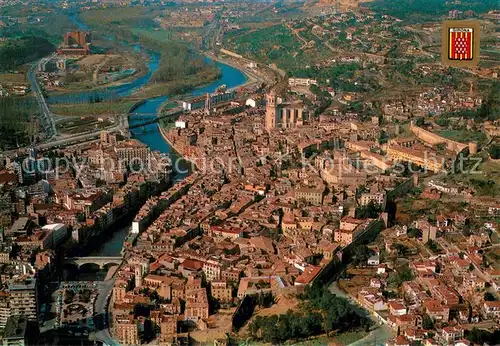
point(343, 4)
point(17, 52)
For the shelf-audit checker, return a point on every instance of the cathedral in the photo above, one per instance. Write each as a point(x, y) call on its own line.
point(283, 115)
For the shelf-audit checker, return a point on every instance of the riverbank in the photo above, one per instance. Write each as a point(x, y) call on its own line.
point(267, 74)
point(249, 79)
point(251, 76)
point(175, 149)
point(139, 63)
point(173, 88)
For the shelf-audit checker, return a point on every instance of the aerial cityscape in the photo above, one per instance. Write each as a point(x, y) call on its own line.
point(250, 172)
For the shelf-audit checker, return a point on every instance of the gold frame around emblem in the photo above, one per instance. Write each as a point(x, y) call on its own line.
point(446, 26)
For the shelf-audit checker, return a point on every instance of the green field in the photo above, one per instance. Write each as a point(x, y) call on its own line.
point(484, 179)
point(131, 24)
point(275, 44)
point(101, 108)
point(13, 78)
point(17, 52)
point(52, 27)
point(463, 136)
point(342, 339)
point(350, 337)
point(138, 16)
point(179, 86)
point(415, 10)
point(180, 68)
point(159, 35)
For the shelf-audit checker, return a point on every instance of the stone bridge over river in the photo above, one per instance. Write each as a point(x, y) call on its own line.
point(102, 262)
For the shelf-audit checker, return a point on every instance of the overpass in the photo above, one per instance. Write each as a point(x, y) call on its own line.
point(100, 261)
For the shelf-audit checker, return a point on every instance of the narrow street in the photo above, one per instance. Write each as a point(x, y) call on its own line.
point(101, 310)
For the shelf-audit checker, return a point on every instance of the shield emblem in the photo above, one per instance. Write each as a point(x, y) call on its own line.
point(461, 44)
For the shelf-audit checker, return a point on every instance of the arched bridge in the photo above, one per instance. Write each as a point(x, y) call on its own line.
point(100, 261)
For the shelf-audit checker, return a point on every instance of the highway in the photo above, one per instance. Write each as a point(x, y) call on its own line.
point(60, 142)
point(46, 116)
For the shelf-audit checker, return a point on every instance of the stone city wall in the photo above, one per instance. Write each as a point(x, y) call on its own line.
point(434, 139)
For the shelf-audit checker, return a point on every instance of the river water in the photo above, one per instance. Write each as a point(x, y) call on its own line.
point(150, 134)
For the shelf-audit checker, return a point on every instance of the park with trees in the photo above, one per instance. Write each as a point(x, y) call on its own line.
point(321, 312)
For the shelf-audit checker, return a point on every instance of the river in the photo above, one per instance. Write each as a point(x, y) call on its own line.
point(113, 92)
point(149, 135)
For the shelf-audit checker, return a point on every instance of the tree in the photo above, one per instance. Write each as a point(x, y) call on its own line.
point(489, 297)
point(414, 232)
point(14, 121)
point(402, 275)
point(427, 322)
point(323, 312)
point(400, 248)
point(445, 122)
point(154, 296)
point(19, 51)
point(331, 321)
point(80, 217)
point(433, 246)
point(484, 262)
point(494, 151)
point(273, 173)
point(369, 211)
point(389, 294)
point(361, 253)
point(479, 336)
point(420, 121)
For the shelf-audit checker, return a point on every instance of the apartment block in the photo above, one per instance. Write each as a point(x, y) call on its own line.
point(23, 298)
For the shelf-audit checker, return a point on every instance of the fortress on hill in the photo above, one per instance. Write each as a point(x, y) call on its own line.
point(431, 139)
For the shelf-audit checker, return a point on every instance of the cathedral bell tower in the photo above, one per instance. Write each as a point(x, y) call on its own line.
point(270, 110)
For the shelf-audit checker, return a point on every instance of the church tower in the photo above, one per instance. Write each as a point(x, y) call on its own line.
point(472, 87)
point(208, 105)
point(270, 110)
point(138, 275)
